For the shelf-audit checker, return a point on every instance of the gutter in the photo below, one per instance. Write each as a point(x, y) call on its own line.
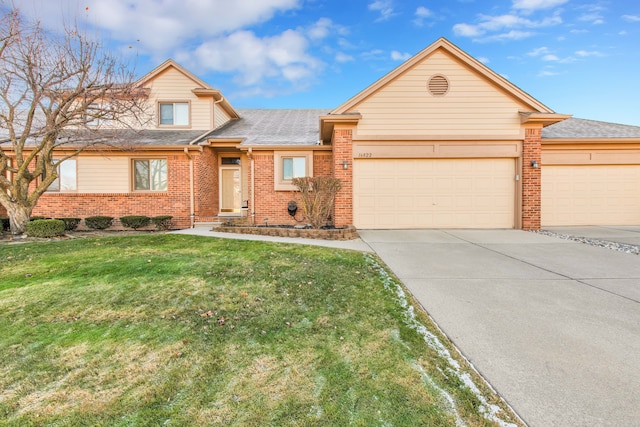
point(192, 203)
point(253, 187)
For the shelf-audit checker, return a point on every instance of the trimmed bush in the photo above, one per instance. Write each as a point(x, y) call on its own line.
point(36, 218)
point(45, 228)
point(98, 222)
point(70, 224)
point(135, 221)
point(162, 222)
point(4, 224)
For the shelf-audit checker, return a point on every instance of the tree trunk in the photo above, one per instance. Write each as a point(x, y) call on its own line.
point(18, 218)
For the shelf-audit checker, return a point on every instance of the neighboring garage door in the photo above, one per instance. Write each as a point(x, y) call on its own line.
point(591, 195)
point(434, 193)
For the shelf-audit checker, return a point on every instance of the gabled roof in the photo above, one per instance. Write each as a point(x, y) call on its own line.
point(272, 127)
point(171, 63)
point(201, 88)
point(462, 56)
point(589, 129)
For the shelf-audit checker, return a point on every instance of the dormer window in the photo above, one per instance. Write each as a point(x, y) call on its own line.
point(174, 114)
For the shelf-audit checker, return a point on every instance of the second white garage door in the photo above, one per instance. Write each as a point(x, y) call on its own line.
point(591, 195)
point(434, 193)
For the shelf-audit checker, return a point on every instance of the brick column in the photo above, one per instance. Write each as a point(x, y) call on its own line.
point(343, 150)
point(531, 179)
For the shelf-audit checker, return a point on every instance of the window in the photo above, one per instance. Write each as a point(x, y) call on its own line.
point(289, 165)
point(174, 113)
point(150, 175)
point(99, 115)
point(293, 167)
point(67, 177)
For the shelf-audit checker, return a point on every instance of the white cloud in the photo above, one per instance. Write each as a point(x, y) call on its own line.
point(400, 56)
point(531, 5)
point(323, 28)
point(631, 18)
point(384, 7)
point(539, 51)
point(550, 57)
point(585, 53)
point(423, 12)
point(467, 30)
point(253, 59)
point(343, 57)
point(547, 73)
point(483, 59)
point(511, 26)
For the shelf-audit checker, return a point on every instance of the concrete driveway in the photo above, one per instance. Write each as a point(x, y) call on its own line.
point(552, 324)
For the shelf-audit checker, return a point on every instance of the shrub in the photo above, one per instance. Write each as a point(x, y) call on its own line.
point(45, 228)
point(98, 222)
point(162, 222)
point(4, 224)
point(135, 221)
point(70, 224)
point(317, 197)
point(36, 218)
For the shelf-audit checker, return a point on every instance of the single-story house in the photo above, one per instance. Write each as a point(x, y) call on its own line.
point(442, 141)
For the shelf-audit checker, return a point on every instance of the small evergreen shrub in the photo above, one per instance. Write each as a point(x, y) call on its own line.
point(45, 228)
point(162, 222)
point(4, 224)
point(36, 218)
point(98, 222)
point(70, 224)
point(135, 221)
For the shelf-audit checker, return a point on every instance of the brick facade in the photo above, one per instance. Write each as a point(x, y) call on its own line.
point(343, 151)
point(175, 201)
point(531, 179)
point(272, 204)
point(206, 183)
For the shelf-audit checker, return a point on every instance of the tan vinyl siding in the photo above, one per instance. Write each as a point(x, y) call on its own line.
point(173, 86)
point(220, 116)
point(472, 105)
point(92, 173)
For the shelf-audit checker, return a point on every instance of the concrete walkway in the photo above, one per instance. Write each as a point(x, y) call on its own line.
point(356, 244)
point(554, 325)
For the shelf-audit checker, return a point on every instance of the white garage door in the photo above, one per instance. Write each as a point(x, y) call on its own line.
point(591, 195)
point(434, 193)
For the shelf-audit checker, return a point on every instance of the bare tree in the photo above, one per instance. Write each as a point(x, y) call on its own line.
point(58, 91)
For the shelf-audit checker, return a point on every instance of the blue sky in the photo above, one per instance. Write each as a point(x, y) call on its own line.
point(577, 57)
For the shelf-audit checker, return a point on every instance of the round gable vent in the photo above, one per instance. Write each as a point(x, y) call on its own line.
point(438, 85)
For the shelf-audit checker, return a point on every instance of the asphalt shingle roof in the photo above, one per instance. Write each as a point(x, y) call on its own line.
point(274, 127)
point(581, 128)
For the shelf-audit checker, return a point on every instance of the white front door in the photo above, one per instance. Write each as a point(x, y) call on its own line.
point(230, 189)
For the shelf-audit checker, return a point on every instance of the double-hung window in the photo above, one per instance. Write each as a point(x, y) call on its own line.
point(174, 113)
point(150, 175)
point(67, 179)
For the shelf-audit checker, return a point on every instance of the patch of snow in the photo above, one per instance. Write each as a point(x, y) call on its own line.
point(616, 246)
point(489, 411)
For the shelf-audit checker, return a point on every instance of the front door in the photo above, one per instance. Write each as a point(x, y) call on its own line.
point(230, 189)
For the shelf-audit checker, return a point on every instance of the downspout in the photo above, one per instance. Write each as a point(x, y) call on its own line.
point(192, 203)
point(253, 188)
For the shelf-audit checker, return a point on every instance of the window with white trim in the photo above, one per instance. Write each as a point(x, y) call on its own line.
point(150, 175)
point(290, 165)
point(174, 114)
point(67, 179)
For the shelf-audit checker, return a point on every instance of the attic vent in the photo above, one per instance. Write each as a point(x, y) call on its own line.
point(438, 85)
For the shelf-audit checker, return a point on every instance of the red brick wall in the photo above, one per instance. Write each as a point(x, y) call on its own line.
point(206, 183)
point(531, 179)
point(343, 150)
point(272, 204)
point(174, 202)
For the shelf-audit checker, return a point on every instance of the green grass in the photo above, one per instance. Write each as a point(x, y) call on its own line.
point(183, 330)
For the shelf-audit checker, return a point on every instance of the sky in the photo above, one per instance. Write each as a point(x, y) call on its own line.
point(578, 57)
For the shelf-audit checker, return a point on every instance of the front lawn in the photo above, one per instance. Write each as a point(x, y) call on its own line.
point(182, 330)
